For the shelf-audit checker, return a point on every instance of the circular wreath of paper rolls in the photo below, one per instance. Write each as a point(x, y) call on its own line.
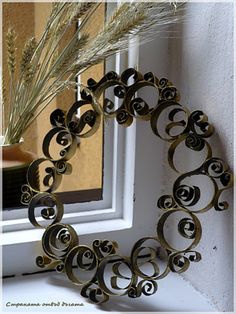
point(60, 242)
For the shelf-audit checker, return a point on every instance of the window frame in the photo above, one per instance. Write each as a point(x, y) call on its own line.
point(115, 210)
point(113, 213)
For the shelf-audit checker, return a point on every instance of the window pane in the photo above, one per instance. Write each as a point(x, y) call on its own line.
point(28, 19)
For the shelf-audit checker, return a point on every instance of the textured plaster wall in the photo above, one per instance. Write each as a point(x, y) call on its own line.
point(201, 65)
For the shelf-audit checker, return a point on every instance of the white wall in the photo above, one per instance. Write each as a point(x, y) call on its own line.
point(201, 66)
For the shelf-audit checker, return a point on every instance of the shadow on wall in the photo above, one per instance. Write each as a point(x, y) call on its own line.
point(201, 67)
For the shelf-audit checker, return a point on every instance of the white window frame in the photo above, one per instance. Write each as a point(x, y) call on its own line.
point(115, 211)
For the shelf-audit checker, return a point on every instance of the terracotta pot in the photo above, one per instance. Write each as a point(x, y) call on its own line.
point(15, 163)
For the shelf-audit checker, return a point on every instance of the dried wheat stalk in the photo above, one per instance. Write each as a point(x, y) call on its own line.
point(45, 71)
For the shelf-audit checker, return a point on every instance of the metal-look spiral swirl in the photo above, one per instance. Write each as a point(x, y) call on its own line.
point(195, 230)
point(179, 262)
point(140, 248)
point(52, 211)
point(94, 293)
point(121, 273)
point(146, 287)
point(85, 259)
point(58, 240)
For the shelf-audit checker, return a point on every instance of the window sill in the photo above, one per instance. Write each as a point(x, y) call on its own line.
point(24, 236)
point(174, 294)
